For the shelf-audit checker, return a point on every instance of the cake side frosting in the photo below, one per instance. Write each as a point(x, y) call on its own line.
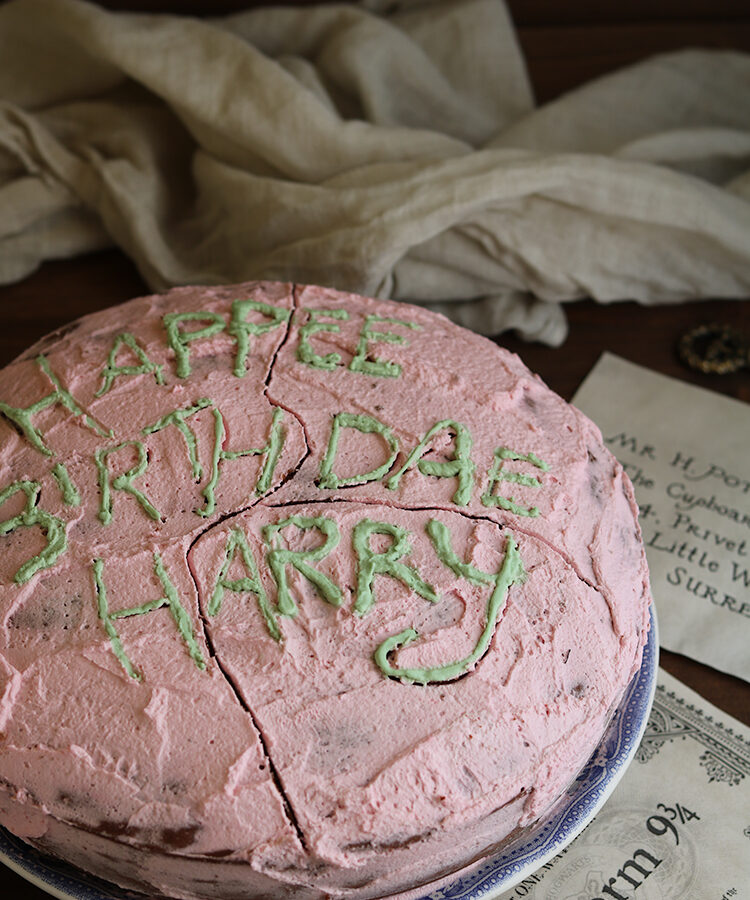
point(294, 581)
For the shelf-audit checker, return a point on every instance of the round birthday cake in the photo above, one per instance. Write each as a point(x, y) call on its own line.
point(303, 595)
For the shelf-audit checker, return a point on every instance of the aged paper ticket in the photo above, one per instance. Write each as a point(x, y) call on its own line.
point(687, 452)
point(677, 826)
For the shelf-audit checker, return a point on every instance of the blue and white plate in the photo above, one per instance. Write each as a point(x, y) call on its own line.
point(499, 873)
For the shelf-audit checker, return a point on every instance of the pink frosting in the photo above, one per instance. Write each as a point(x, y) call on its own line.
point(293, 767)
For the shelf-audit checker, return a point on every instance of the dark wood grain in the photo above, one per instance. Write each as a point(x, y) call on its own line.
point(525, 13)
point(566, 57)
point(565, 44)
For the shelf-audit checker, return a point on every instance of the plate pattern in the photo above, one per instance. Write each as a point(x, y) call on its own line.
point(572, 814)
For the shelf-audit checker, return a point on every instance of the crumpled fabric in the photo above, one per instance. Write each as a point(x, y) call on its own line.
point(388, 149)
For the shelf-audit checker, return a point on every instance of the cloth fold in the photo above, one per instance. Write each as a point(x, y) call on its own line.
point(392, 150)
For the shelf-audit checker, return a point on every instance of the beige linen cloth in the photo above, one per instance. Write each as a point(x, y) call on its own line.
point(390, 149)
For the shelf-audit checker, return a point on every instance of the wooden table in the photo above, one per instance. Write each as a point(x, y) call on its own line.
point(565, 45)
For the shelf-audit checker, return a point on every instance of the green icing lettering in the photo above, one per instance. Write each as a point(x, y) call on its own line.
point(170, 599)
point(179, 614)
point(123, 482)
point(70, 495)
point(379, 367)
point(280, 557)
point(305, 352)
point(241, 329)
point(52, 527)
point(209, 491)
point(112, 370)
point(178, 419)
point(22, 416)
point(179, 340)
point(251, 583)
point(511, 572)
point(498, 474)
point(103, 611)
point(441, 541)
point(370, 563)
point(367, 425)
point(460, 467)
point(272, 451)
